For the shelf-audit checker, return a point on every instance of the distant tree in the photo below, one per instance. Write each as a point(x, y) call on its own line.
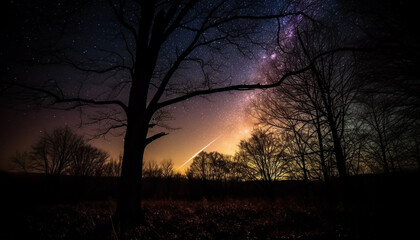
point(238, 169)
point(178, 175)
point(264, 156)
point(87, 161)
point(112, 168)
point(199, 167)
point(22, 162)
point(64, 152)
point(289, 112)
point(167, 167)
point(210, 166)
point(220, 166)
point(151, 169)
point(388, 133)
point(54, 152)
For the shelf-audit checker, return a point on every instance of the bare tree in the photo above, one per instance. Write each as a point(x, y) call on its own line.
point(332, 77)
point(220, 163)
point(151, 169)
point(387, 129)
point(264, 156)
point(310, 107)
point(210, 166)
point(54, 152)
point(238, 169)
point(87, 161)
point(112, 168)
point(62, 152)
point(22, 162)
point(167, 167)
point(287, 111)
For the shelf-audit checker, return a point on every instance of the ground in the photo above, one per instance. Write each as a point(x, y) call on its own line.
point(377, 208)
point(227, 219)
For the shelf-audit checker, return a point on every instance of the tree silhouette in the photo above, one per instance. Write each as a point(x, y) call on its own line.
point(264, 156)
point(54, 152)
point(210, 166)
point(167, 167)
point(64, 152)
point(112, 168)
point(388, 133)
point(151, 169)
point(87, 161)
point(313, 106)
point(22, 162)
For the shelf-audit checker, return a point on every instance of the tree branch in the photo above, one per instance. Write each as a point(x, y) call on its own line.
point(62, 99)
point(154, 137)
point(245, 87)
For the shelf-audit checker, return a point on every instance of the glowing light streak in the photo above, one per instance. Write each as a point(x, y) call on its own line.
point(198, 152)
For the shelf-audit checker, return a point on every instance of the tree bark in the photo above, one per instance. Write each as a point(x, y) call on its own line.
point(129, 211)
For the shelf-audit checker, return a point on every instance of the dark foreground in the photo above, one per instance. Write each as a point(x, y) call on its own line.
point(376, 209)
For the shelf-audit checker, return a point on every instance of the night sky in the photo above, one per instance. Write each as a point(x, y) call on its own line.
point(87, 33)
point(32, 28)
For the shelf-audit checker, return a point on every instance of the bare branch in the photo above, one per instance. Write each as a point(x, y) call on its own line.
point(119, 13)
point(79, 101)
point(245, 87)
point(154, 137)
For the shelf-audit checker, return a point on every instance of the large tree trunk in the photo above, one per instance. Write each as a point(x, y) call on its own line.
point(129, 213)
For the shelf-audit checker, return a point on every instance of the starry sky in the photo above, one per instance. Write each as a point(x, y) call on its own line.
point(30, 27)
point(195, 122)
point(86, 30)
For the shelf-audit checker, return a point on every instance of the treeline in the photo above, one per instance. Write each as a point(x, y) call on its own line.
point(62, 152)
point(268, 155)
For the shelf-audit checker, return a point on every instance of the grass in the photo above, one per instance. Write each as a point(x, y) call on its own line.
point(227, 219)
point(379, 207)
point(230, 219)
point(282, 218)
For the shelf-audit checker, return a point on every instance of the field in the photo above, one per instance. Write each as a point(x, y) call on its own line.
point(378, 207)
